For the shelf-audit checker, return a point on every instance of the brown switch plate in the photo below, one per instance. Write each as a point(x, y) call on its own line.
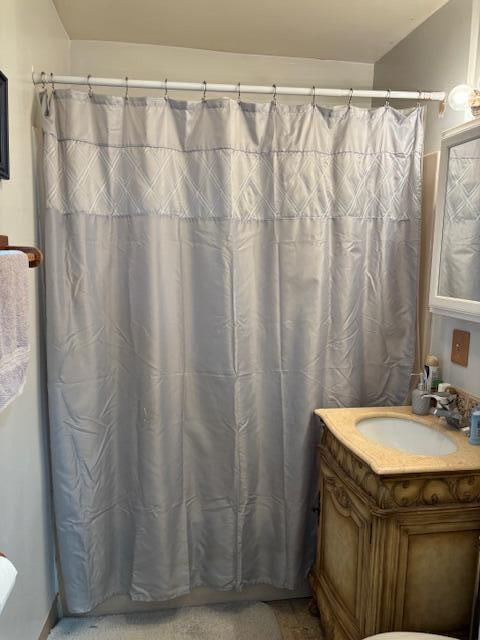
point(460, 347)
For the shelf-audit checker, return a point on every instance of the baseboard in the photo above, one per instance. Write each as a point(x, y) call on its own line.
point(50, 621)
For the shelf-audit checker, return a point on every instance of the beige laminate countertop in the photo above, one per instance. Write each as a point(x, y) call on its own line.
point(388, 461)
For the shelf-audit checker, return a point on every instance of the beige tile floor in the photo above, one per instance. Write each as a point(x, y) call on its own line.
point(295, 620)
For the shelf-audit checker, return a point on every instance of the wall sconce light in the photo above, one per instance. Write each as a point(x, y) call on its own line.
point(463, 96)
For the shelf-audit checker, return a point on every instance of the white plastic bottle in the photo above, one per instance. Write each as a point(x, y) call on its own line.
point(432, 373)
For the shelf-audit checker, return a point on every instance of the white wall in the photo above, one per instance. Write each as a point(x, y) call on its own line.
point(436, 56)
point(154, 62)
point(30, 33)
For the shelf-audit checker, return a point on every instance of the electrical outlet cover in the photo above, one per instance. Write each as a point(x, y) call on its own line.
point(460, 347)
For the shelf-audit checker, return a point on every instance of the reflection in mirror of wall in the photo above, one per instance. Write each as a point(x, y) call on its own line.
point(459, 275)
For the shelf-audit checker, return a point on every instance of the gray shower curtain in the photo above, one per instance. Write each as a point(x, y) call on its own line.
point(215, 271)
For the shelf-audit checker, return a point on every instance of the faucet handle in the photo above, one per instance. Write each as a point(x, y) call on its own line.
point(449, 398)
point(442, 398)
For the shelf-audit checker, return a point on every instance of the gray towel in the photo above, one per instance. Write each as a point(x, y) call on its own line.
point(14, 347)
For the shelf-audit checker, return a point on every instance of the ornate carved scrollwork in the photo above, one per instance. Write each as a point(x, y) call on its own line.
point(391, 493)
point(341, 496)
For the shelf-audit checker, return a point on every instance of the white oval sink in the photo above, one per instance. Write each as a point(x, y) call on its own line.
point(406, 435)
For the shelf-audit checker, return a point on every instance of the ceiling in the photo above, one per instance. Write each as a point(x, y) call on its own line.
point(357, 30)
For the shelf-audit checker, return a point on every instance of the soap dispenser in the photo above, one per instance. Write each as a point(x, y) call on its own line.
point(420, 405)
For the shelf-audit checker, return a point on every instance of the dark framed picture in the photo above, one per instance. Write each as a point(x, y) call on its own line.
point(4, 164)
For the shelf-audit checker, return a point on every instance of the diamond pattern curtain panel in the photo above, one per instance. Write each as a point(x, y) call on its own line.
point(215, 271)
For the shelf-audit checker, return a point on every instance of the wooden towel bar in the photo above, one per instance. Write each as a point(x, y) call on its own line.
point(35, 256)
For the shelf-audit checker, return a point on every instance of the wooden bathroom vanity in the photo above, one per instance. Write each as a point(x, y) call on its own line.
point(398, 532)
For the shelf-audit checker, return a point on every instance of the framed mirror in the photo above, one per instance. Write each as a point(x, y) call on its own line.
point(455, 277)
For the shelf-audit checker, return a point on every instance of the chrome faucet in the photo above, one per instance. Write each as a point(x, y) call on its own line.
point(446, 409)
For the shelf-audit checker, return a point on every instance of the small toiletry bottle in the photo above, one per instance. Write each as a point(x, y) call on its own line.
point(420, 405)
point(475, 426)
point(432, 371)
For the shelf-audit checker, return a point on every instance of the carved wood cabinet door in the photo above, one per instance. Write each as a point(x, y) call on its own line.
point(343, 559)
point(435, 572)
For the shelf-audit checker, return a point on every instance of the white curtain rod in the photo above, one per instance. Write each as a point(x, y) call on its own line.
point(207, 87)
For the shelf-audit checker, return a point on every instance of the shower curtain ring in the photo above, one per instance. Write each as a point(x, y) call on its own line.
point(238, 93)
point(52, 83)
point(165, 95)
point(313, 96)
point(204, 98)
point(274, 97)
point(350, 97)
point(419, 97)
point(42, 77)
point(126, 87)
point(387, 98)
point(90, 90)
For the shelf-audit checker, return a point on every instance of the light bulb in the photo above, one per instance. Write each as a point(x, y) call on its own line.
point(458, 97)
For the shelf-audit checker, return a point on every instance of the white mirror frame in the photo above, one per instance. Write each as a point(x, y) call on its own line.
point(444, 305)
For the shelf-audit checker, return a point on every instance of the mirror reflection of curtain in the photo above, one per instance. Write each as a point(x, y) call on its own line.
point(214, 272)
point(460, 255)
